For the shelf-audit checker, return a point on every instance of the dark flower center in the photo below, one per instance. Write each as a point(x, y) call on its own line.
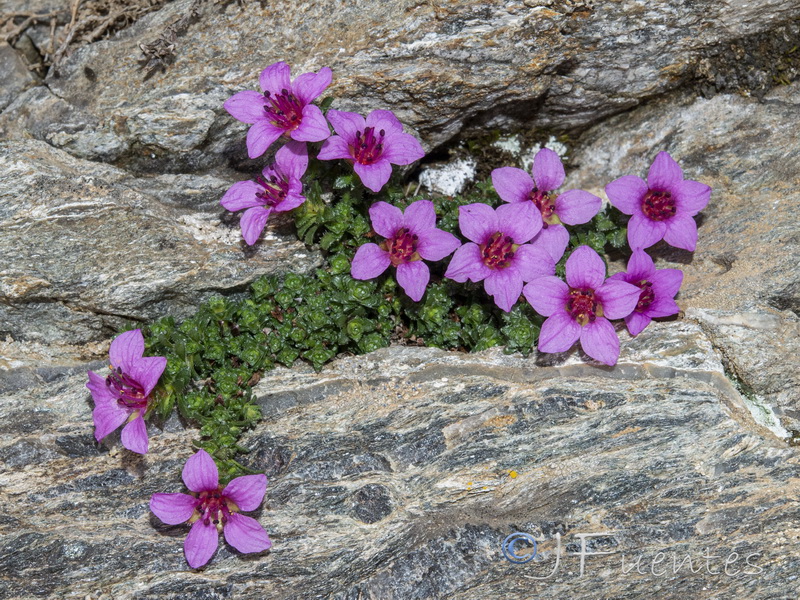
point(284, 110)
point(275, 190)
point(402, 247)
point(368, 147)
point(546, 204)
point(646, 296)
point(658, 206)
point(214, 508)
point(498, 251)
point(129, 392)
point(584, 306)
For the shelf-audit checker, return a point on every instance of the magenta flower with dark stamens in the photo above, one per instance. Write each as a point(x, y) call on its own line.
point(124, 395)
point(573, 207)
point(580, 308)
point(498, 253)
point(372, 145)
point(212, 510)
point(661, 208)
point(657, 290)
point(410, 237)
point(278, 189)
point(284, 108)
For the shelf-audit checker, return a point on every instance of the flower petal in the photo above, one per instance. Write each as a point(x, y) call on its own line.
point(618, 298)
point(599, 340)
point(384, 119)
point(260, 137)
point(173, 509)
point(292, 159)
point(253, 222)
point(532, 262)
point(126, 349)
point(346, 124)
point(640, 266)
point(626, 194)
point(246, 106)
point(419, 216)
point(200, 544)
point(313, 126)
point(241, 195)
point(308, 86)
point(107, 416)
point(386, 219)
point(553, 239)
point(477, 222)
point(100, 392)
point(636, 322)
point(576, 207)
point(369, 262)
point(413, 277)
point(147, 371)
point(559, 332)
point(334, 148)
point(644, 232)
point(435, 244)
point(401, 149)
point(662, 307)
point(374, 176)
point(548, 172)
point(691, 196)
point(585, 269)
point(276, 78)
point(512, 184)
point(666, 282)
point(200, 472)
point(664, 173)
point(291, 202)
point(519, 220)
point(467, 264)
point(547, 295)
point(247, 491)
point(505, 286)
point(134, 436)
point(681, 232)
point(246, 534)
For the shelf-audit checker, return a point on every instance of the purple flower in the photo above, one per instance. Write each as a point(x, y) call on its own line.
point(212, 510)
point(657, 290)
point(277, 190)
point(125, 394)
point(373, 145)
point(663, 207)
point(498, 253)
point(580, 308)
point(573, 207)
point(410, 237)
point(283, 109)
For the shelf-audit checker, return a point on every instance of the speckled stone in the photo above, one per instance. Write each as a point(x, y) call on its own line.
point(398, 474)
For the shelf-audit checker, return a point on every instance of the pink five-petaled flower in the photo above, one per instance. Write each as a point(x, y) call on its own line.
point(657, 290)
point(580, 308)
point(662, 207)
point(498, 253)
point(373, 145)
point(573, 207)
point(410, 237)
point(125, 394)
point(284, 108)
point(212, 509)
point(276, 190)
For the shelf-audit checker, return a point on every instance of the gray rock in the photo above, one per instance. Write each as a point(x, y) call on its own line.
point(403, 478)
point(86, 247)
point(558, 65)
point(742, 282)
point(14, 74)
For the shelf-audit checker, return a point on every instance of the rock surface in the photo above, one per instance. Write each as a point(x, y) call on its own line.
point(397, 475)
point(440, 66)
